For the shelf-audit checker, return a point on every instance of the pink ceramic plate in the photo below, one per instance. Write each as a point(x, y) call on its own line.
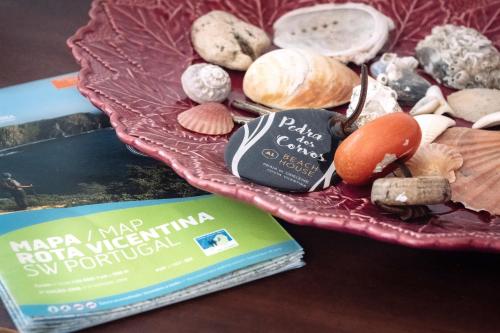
point(132, 54)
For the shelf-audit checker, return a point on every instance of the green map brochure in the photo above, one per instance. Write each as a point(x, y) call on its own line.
point(105, 258)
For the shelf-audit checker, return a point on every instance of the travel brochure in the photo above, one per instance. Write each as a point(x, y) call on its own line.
point(92, 230)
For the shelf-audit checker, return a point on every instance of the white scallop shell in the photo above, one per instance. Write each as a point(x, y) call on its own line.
point(432, 126)
point(433, 102)
point(380, 100)
point(204, 83)
point(348, 32)
point(472, 104)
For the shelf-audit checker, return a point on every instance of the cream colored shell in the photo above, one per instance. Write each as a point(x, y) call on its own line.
point(294, 78)
point(490, 120)
point(472, 104)
point(432, 126)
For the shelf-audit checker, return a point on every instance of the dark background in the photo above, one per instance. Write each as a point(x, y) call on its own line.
point(350, 284)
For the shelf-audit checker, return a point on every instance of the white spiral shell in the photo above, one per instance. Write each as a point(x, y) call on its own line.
point(204, 83)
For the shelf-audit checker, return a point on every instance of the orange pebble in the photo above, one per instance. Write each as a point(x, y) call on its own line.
point(370, 151)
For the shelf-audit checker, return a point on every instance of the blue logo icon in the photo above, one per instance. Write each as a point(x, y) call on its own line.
point(215, 242)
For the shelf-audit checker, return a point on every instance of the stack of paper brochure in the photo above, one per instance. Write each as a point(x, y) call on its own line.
point(69, 268)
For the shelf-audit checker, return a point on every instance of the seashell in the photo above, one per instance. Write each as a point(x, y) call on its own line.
point(410, 191)
point(206, 83)
point(209, 118)
point(380, 100)
point(472, 104)
point(433, 102)
point(460, 57)
point(477, 182)
point(435, 160)
point(432, 126)
point(293, 78)
point(490, 120)
point(399, 74)
point(223, 39)
point(350, 32)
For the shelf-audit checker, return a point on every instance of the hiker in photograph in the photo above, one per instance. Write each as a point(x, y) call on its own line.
point(15, 189)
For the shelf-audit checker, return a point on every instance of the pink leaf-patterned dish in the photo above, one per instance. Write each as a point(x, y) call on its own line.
point(133, 53)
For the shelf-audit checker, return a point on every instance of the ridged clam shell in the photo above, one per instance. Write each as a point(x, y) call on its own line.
point(433, 102)
point(490, 120)
point(472, 104)
point(478, 180)
point(208, 118)
point(432, 126)
point(294, 78)
point(204, 83)
point(348, 32)
point(435, 160)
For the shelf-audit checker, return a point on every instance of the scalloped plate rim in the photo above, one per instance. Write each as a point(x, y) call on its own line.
point(479, 241)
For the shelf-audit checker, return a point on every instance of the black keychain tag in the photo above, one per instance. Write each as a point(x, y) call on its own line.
point(293, 150)
point(289, 150)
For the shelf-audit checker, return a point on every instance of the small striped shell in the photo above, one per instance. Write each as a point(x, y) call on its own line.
point(208, 118)
point(435, 160)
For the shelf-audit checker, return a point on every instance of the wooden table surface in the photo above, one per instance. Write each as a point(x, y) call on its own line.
point(350, 284)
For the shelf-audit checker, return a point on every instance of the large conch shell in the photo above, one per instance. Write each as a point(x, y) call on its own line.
point(478, 180)
point(348, 32)
point(435, 160)
point(293, 78)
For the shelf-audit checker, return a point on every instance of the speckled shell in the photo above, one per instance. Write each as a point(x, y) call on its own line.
point(380, 100)
point(204, 83)
point(209, 118)
point(350, 32)
point(223, 39)
point(293, 79)
point(432, 126)
point(478, 181)
point(435, 160)
point(460, 57)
